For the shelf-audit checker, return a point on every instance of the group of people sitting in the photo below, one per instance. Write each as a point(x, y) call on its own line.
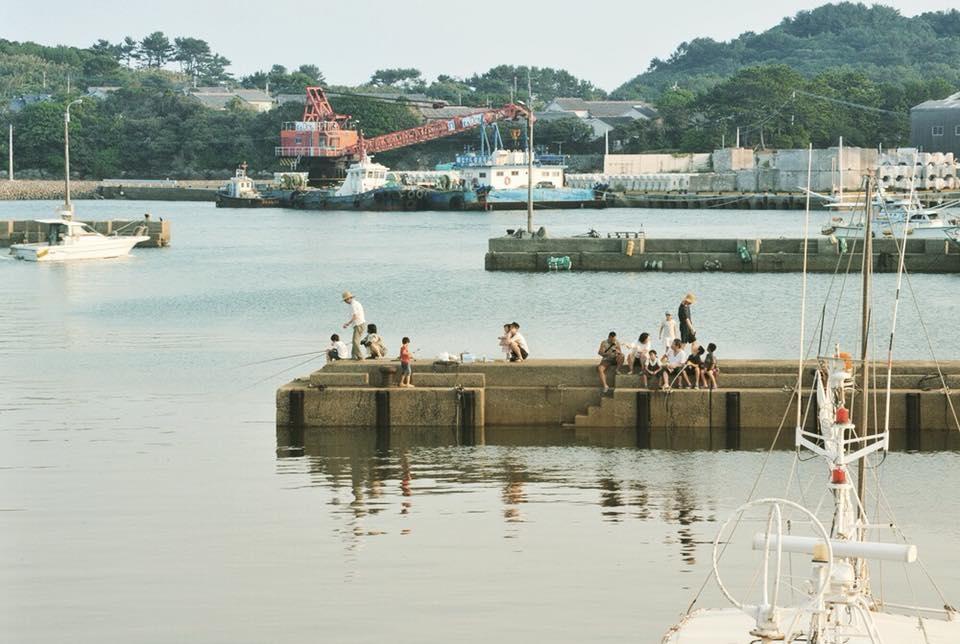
point(692, 370)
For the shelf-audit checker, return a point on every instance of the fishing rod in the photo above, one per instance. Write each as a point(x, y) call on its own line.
point(292, 355)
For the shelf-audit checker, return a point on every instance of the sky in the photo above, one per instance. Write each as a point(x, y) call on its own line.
point(601, 41)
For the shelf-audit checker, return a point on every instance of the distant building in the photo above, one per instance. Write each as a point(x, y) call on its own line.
point(217, 98)
point(102, 91)
point(935, 125)
point(20, 102)
point(601, 116)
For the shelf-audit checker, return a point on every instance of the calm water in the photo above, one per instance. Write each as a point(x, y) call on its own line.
point(142, 498)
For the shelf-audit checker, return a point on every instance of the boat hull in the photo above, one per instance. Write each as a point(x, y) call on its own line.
point(226, 201)
point(106, 248)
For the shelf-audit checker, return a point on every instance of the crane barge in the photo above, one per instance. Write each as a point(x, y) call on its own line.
point(326, 144)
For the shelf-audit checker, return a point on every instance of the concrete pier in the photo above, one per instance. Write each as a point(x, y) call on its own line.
point(638, 253)
point(28, 231)
point(754, 395)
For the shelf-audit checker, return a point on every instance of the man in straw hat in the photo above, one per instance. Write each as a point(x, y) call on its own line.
point(688, 334)
point(358, 322)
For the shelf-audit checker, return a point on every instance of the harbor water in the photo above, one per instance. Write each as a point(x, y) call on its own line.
point(143, 497)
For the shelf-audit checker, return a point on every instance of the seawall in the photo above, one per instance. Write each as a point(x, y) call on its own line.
point(636, 253)
point(754, 395)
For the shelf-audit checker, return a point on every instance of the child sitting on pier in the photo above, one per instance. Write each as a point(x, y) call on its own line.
point(336, 350)
point(519, 351)
point(652, 370)
point(711, 368)
point(695, 366)
point(406, 371)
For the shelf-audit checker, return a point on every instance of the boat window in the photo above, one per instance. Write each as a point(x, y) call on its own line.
point(514, 172)
point(499, 173)
point(936, 130)
point(483, 174)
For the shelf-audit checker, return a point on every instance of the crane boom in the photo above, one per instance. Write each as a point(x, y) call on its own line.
point(438, 129)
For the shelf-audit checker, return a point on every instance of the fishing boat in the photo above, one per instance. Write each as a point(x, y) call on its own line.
point(367, 186)
point(831, 600)
point(240, 192)
point(69, 240)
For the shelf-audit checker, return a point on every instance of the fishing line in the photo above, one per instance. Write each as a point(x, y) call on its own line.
point(292, 355)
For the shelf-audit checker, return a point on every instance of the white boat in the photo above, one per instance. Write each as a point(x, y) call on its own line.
point(893, 215)
point(823, 566)
point(69, 240)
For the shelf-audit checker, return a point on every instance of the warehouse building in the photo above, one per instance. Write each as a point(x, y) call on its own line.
point(935, 125)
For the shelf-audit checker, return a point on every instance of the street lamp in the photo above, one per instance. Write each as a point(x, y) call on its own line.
point(67, 206)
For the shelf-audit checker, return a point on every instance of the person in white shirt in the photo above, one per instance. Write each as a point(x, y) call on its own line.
point(357, 321)
point(677, 363)
point(336, 350)
point(668, 331)
point(638, 354)
point(519, 351)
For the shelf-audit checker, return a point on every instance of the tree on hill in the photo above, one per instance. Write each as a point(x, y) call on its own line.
point(282, 81)
point(156, 49)
point(405, 78)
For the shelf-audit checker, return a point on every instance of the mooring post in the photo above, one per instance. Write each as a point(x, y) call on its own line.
point(733, 419)
point(643, 419)
point(913, 421)
point(382, 400)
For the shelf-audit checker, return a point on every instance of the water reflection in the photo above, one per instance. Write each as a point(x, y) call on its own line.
point(412, 474)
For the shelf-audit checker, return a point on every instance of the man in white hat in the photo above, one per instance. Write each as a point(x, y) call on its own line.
point(358, 322)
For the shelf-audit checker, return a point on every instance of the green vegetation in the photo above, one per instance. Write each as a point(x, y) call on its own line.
point(875, 40)
point(839, 70)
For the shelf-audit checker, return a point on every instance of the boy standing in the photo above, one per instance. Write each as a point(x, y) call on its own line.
point(668, 331)
point(406, 371)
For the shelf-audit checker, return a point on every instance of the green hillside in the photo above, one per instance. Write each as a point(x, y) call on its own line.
point(875, 40)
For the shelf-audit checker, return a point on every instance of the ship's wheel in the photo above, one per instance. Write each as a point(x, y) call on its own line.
point(767, 613)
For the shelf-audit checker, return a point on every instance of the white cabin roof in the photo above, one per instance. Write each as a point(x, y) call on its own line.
point(64, 222)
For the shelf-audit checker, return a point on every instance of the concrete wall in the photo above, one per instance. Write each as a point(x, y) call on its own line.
point(693, 255)
point(564, 393)
point(633, 164)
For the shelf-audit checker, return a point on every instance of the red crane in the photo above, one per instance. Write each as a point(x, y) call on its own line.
point(324, 139)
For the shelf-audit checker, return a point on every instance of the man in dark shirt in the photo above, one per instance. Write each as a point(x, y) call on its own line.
point(688, 334)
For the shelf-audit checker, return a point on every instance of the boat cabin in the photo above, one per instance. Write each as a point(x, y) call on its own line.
point(507, 170)
point(363, 177)
point(60, 231)
point(241, 186)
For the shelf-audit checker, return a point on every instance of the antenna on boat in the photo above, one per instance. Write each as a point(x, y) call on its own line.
point(529, 154)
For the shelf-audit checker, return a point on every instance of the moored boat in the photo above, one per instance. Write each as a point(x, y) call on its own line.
point(240, 192)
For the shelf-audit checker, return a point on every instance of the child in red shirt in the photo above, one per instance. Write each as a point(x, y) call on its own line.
point(406, 371)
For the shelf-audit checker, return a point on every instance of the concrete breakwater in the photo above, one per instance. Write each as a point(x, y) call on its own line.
point(29, 231)
point(637, 253)
point(23, 190)
point(754, 395)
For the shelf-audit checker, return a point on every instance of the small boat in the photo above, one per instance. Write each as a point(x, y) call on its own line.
point(68, 240)
point(240, 192)
point(367, 186)
point(893, 214)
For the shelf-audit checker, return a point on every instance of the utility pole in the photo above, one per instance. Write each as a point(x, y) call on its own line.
point(67, 206)
point(738, 137)
point(606, 143)
point(10, 152)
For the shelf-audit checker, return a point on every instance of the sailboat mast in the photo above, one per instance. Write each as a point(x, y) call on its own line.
point(864, 420)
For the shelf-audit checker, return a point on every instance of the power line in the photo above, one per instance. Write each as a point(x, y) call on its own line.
point(848, 103)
